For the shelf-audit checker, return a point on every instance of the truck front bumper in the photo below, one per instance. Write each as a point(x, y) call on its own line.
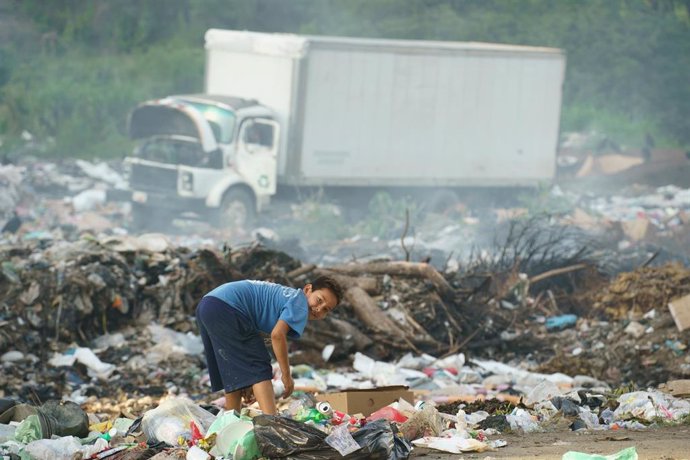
point(166, 202)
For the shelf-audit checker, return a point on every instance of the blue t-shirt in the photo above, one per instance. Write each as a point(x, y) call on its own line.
point(265, 303)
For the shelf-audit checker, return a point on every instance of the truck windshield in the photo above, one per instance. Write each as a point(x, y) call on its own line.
point(222, 121)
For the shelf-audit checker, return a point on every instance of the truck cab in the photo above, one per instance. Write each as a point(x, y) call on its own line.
point(210, 157)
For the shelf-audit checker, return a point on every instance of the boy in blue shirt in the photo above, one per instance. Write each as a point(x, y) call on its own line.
point(231, 318)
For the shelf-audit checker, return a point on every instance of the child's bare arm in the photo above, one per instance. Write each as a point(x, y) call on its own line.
point(280, 348)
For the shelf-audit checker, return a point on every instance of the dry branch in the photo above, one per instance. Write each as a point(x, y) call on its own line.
point(556, 272)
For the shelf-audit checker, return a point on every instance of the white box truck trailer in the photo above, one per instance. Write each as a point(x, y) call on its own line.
point(283, 110)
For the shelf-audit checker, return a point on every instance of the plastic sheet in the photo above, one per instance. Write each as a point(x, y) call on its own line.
point(280, 437)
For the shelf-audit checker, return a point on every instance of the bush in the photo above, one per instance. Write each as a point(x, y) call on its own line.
point(82, 100)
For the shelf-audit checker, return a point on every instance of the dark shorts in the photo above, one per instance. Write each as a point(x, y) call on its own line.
point(235, 351)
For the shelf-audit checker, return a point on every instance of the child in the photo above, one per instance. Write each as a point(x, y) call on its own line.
point(230, 320)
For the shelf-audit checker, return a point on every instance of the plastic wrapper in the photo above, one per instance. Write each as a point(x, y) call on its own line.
point(341, 440)
point(280, 437)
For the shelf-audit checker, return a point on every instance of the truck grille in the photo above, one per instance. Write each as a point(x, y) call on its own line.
point(145, 177)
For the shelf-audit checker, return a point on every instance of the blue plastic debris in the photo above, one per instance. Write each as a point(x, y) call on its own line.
point(560, 322)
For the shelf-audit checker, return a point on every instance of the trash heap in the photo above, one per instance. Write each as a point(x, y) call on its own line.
point(449, 405)
point(552, 310)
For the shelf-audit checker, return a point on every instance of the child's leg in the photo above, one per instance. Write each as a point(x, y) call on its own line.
point(233, 400)
point(209, 349)
point(263, 392)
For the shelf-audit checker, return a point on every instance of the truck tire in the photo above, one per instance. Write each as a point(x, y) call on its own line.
point(237, 210)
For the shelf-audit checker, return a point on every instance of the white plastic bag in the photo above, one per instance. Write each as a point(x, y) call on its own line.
point(172, 420)
point(66, 448)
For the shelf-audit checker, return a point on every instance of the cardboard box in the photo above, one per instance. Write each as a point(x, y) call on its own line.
point(356, 401)
point(680, 310)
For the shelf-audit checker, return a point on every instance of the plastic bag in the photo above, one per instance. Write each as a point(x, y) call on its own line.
point(425, 422)
point(626, 454)
point(29, 430)
point(650, 405)
point(522, 422)
point(388, 413)
point(172, 420)
point(66, 448)
point(280, 437)
point(234, 437)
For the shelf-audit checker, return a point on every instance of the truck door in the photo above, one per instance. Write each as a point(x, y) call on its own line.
point(257, 153)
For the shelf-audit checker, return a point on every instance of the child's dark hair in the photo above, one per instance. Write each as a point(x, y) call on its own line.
point(327, 282)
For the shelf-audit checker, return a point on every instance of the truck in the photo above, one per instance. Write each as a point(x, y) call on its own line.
point(282, 112)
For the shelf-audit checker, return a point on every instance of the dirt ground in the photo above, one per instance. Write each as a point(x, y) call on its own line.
point(664, 443)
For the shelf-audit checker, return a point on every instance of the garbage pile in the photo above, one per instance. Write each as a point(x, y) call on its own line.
point(452, 405)
point(559, 322)
point(552, 307)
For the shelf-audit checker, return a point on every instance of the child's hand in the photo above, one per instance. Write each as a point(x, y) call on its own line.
point(248, 395)
point(289, 385)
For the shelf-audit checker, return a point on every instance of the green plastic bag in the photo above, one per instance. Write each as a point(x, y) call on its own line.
point(626, 454)
point(234, 437)
point(29, 430)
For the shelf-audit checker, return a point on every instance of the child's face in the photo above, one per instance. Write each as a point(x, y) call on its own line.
point(320, 301)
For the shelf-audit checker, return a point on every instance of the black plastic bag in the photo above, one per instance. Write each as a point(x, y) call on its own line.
point(280, 437)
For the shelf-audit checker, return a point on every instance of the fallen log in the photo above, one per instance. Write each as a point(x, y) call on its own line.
point(423, 270)
point(367, 283)
point(368, 312)
point(303, 270)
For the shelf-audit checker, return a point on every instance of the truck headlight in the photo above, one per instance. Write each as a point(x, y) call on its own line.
point(187, 181)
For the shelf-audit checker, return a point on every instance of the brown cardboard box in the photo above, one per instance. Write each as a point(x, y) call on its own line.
point(356, 401)
point(680, 310)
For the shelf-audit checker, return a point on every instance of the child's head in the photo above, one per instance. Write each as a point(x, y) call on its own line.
point(323, 295)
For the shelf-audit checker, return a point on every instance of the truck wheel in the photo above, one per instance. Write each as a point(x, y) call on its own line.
point(237, 210)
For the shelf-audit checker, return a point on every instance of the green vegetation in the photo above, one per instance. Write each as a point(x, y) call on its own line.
point(70, 70)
